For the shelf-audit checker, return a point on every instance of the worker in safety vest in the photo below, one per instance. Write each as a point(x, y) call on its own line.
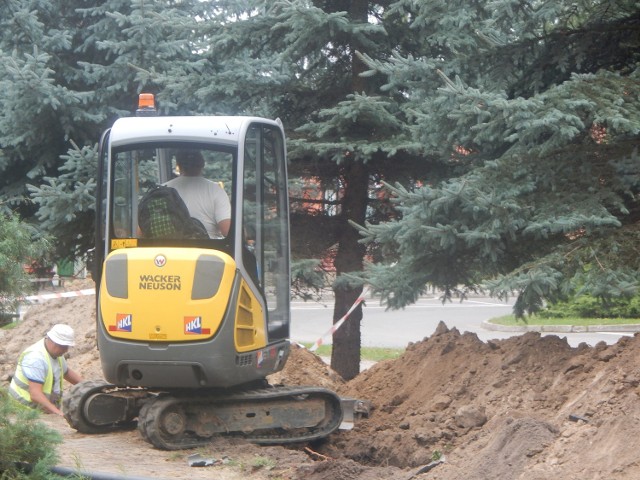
point(37, 381)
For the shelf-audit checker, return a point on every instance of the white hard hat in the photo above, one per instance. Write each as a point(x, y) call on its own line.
point(62, 335)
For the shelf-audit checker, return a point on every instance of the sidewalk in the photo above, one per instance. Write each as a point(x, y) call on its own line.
point(561, 328)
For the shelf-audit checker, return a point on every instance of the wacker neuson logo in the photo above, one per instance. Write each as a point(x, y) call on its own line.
point(160, 282)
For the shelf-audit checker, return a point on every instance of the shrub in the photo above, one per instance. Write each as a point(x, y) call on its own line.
point(27, 446)
point(20, 244)
point(586, 306)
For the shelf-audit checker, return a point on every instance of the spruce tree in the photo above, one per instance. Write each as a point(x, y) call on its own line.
point(538, 105)
point(341, 131)
point(38, 109)
point(297, 60)
point(356, 136)
point(69, 70)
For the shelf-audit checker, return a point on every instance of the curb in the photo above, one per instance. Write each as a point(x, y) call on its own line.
point(561, 328)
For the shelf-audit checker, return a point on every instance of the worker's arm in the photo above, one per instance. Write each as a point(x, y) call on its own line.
point(224, 226)
point(38, 397)
point(72, 376)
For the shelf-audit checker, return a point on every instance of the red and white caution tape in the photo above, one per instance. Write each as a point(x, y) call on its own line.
point(339, 323)
point(52, 296)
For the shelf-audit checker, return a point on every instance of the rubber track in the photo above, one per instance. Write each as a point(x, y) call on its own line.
point(153, 410)
point(73, 403)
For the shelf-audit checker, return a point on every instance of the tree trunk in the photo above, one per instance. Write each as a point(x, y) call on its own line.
point(345, 355)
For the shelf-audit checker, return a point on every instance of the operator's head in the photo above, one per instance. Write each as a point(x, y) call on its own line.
point(190, 162)
point(61, 338)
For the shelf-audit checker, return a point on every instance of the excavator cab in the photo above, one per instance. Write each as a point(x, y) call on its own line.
point(182, 312)
point(189, 327)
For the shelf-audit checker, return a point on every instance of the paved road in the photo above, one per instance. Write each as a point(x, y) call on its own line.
point(381, 328)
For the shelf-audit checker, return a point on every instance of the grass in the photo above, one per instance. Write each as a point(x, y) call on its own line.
point(263, 462)
point(7, 322)
point(373, 354)
point(511, 320)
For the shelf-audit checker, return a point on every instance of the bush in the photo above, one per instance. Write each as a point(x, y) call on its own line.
point(20, 244)
point(586, 306)
point(25, 440)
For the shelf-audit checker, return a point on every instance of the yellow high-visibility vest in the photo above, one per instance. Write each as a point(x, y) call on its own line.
point(19, 387)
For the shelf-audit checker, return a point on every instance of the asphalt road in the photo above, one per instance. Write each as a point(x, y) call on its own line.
point(396, 328)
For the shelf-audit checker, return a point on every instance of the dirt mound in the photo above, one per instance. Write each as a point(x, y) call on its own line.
point(306, 368)
point(529, 407)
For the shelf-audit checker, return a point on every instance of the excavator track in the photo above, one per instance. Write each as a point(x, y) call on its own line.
point(98, 407)
point(276, 415)
point(178, 419)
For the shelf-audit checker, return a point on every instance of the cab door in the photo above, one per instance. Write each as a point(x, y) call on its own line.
point(101, 209)
point(265, 228)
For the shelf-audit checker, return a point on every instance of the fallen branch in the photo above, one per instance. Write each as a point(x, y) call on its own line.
point(316, 454)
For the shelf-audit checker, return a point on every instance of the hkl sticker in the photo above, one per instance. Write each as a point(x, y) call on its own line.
point(124, 322)
point(193, 326)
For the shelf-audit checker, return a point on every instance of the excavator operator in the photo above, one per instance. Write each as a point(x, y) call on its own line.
point(206, 200)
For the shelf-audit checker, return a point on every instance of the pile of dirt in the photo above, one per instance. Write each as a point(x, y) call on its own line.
point(305, 368)
point(451, 407)
point(529, 407)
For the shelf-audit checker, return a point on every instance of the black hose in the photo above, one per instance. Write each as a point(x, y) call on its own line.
point(70, 472)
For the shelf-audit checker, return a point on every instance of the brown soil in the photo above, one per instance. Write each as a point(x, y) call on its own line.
point(529, 407)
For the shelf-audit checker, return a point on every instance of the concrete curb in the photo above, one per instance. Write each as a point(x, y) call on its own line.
point(561, 328)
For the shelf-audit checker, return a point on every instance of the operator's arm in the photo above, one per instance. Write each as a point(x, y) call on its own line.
point(221, 209)
point(38, 396)
point(72, 376)
point(224, 225)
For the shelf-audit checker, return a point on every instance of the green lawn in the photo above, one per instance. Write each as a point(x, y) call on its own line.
point(373, 354)
point(511, 320)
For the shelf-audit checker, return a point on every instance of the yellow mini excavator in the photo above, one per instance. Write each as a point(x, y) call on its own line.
point(189, 326)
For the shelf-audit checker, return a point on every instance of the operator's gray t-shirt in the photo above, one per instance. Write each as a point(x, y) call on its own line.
point(206, 200)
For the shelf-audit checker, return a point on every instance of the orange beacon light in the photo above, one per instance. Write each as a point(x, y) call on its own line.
point(146, 105)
